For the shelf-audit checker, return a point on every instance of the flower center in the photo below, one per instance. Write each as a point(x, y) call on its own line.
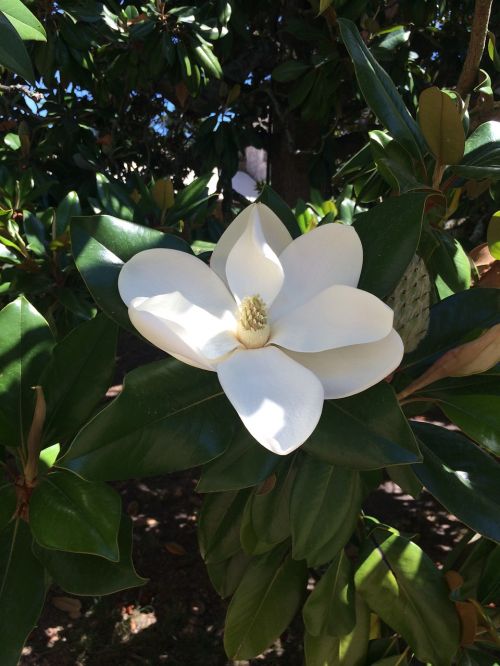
point(253, 329)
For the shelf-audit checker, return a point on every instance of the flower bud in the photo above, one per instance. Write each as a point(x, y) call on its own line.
point(410, 301)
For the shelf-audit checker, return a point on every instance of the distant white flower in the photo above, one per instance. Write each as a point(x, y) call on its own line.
point(280, 321)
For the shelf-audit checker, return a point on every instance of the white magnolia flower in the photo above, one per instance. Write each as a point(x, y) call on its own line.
point(280, 321)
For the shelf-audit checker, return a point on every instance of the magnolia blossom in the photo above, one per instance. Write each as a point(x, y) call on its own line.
point(280, 321)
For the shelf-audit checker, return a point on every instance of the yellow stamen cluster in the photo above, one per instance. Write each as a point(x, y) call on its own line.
point(253, 327)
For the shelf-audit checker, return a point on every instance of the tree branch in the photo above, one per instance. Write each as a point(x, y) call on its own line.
point(468, 75)
point(18, 88)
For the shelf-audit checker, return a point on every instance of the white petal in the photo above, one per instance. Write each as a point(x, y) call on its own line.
point(278, 400)
point(252, 267)
point(168, 337)
point(206, 335)
point(328, 255)
point(337, 317)
point(274, 230)
point(163, 271)
point(349, 370)
point(245, 185)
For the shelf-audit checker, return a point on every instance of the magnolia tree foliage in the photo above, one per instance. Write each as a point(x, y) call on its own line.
point(106, 107)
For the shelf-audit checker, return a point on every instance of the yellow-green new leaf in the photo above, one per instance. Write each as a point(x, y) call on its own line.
point(441, 125)
point(494, 235)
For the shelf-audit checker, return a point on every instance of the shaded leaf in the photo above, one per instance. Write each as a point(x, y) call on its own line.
point(264, 603)
point(90, 575)
point(168, 417)
point(461, 477)
point(70, 514)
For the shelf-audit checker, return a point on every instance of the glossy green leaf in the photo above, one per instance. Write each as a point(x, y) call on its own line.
point(324, 508)
point(390, 229)
point(101, 244)
point(321, 650)
point(24, 22)
point(264, 603)
point(494, 235)
point(453, 320)
point(482, 153)
point(68, 207)
point(188, 200)
point(402, 585)
point(266, 519)
point(448, 264)
point(473, 406)
point(78, 516)
point(243, 464)
point(226, 575)
point(441, 124)
point(394, 163)
point(380, 92)
point(8, 501)
point(365, 431)
point(219, 525)
point(489, 583)
point(22, 591)
point(77, 377)
point(406, 479)
point(289, 71)
point(25, 347)
point(348, 650)
point(13, 53)
point(114, 198)
point(168, 417)
point(330, 608)
point(89, 575)
point(269, 197)
point(461, 477)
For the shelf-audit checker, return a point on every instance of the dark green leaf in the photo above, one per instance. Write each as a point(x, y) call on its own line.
point(225, 576)
point(25, 347)
point(324, 508)
point(329, 608)
point(71, 514)
point(89, 575)
point(114, 199)
point(349, 650)
point(101, 244)
point(266, 520)
point(77, 377)
point(219, 525)
point(489, 583)
point(475, 410)
point(269, 197)
point(243, 464)
point(402, 585)
point(289, 70)
point(380, 93)
point(461, 477)
point(188, 200)
point(168, 417)
point(264, 603)
point(22, 591)
point(448, 264)
point(13, 53)
point(453, 320)
point(8, 501)
point(390, 229)
point(482, 148)
point(365, 431)
point(68, 207)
